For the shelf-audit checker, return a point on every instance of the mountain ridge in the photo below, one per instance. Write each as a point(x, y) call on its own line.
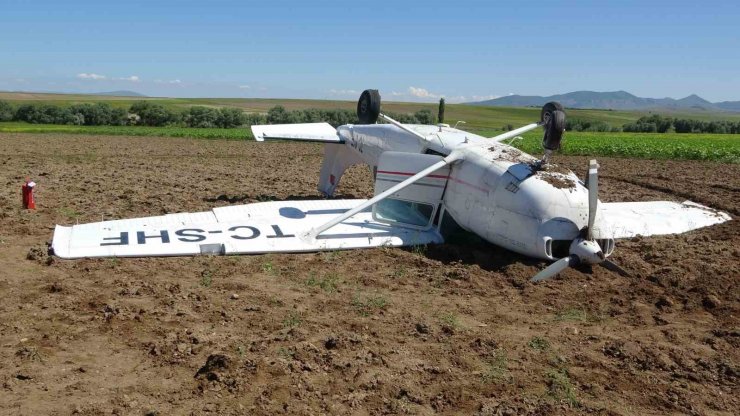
point(611, 100)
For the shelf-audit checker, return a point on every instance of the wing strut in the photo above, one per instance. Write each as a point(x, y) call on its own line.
point(314, 232)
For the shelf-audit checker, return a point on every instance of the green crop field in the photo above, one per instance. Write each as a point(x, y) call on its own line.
point(189, 132)
point(714, 147)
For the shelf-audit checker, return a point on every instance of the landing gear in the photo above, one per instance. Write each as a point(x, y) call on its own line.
point(552, 118)
point(368, 107)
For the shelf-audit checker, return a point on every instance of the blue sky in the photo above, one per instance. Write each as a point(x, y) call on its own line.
point(410, 50)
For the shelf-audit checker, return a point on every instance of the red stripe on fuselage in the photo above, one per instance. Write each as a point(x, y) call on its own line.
point(452, 178)
point(412, 174)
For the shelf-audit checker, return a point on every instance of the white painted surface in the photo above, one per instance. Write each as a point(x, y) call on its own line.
point(309, 132)
point(629, 219)
point(264, 227)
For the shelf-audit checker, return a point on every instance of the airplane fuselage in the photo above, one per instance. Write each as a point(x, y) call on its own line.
point(500, 193)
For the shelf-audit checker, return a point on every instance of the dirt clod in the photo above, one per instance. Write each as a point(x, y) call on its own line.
point(711, 302)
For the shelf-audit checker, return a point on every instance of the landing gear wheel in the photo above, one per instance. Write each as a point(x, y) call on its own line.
point(548, 109)
point(554, 129)
point(368, 107)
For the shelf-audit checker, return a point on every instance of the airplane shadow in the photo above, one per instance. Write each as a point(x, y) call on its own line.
point(467, 248)
point(236, 199)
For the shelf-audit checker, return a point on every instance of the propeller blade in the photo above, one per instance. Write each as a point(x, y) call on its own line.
point(610, 265)
point(593, 195)
point(552, 270)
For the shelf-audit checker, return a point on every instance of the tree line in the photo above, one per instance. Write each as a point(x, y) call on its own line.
point(659, 124)
point(147, 113)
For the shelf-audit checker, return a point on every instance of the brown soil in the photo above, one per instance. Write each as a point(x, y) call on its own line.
point(454, 329)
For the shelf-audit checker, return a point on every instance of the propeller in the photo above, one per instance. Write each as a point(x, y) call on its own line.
point(555, 268)
point(584, 250)
point(593, 196)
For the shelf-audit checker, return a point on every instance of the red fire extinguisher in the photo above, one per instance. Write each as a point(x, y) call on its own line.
point(27, 191)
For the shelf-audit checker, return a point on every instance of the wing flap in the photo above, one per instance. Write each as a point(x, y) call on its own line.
point(308, 132)
point(266, 227)
point(629, 219)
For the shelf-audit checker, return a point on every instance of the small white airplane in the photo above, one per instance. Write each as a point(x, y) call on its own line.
point(426, 179)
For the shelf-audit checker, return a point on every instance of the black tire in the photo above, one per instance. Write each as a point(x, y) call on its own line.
point(368, 107)
point(548, 109)
point(554, 129)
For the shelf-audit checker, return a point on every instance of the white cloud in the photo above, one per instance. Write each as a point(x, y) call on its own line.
point(343, 92)
point(244, 87)
point(421, 93)
point(132, 78)
point(456, 99)
point(175, 81)
point(92, 76)
point(484, 97)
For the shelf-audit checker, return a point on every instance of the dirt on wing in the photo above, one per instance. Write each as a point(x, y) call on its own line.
point(453, 329)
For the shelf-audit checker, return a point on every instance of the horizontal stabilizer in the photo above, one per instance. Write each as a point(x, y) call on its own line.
point(629, 219)
point(264, 227)
point(308, 132)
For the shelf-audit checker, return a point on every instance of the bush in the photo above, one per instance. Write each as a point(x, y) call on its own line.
point(155, 115)
point(203, 117)
point(7, 112)
point(230, 117)
point(424, 117)
point(254, 118)
point(43, 114)
point(582, 125)
point(98, 114)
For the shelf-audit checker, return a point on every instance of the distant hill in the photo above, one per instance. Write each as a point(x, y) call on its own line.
point(122, 93)
point(614, 100)
point(729, 105)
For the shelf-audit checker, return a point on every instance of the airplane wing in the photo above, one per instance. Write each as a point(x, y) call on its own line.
point(307, 132)
point(265, 227)
point(629, 219)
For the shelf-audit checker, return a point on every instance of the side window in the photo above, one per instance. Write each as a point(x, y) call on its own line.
point(415, 214)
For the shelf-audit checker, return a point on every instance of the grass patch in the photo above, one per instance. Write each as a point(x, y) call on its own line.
point(206, 278)
point(330, 256)
point(113, 262)
point(539, 344)
point(241, 350)
point(367, 305)
point(326, 283)
point(275, 302)
point(400, 272)
point(293, 320)
point(496, 368)
point(70, 213)
point(267, 267)
point(561, 388)
point(419, 249)
point(450, 319)
point(573, 315)
point(286, 353)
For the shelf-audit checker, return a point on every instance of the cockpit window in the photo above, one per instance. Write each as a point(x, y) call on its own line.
point(405, 212)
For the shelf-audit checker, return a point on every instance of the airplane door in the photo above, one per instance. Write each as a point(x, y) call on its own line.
point(416, 205)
